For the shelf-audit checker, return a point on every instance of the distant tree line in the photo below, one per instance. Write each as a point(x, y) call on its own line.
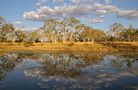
point(8, 32)
point(118, 32)
point(66, 29)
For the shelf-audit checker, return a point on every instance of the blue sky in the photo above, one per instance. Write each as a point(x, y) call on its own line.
point(95, 13)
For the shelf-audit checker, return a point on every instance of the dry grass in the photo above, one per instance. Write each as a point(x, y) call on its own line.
point(72, 47)
point(53, 47)
point(122, 46)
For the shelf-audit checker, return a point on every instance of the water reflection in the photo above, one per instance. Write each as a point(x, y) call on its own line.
point(122, 61)
point(85, 71)
point(8, 62)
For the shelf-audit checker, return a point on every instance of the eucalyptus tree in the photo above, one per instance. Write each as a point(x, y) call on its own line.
point(2, 21)
point(1, 36)
point(40, 35)
point(20, 35)
point(135, 35)
point(50, 29)
point(6, 30)
point(90, 34)
point(87, 34)
point(98, 35)
point(12, 37)
point(129, 32)
point(64, 28)
point(75, 25)
point(116, 30)
point(33, 36)
point(79, 30)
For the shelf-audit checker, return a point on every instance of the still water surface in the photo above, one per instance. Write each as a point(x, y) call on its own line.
point(68, 71)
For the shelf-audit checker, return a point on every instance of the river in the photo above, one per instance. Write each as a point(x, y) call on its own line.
point(68, 71)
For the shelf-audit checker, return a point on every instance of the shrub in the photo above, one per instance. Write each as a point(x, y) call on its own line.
point(70, 44)
point(28, 44)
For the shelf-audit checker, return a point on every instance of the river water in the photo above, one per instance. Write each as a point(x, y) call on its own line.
point(68, 71)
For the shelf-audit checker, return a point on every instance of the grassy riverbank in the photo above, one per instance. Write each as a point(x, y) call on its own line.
point(121, 46)
point(53, 47)
point(72, 47)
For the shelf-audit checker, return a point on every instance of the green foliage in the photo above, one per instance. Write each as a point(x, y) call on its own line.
point(1, 21)
point(7, 28)
point(118, 32)
point(20, 36)
point(66, 30)
point(90, 34)
point(7, 31)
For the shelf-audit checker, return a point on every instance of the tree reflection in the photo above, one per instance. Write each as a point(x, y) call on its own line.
point(71, 65)
point(65, 70)
point(60, 65)
point(124, 61)
point(73, 71)
point(92, 58)
point(7, 63)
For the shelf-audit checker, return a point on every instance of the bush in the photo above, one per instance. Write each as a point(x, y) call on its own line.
point(28, 44)
point(70, 44)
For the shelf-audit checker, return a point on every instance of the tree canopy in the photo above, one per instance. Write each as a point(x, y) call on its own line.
point(66, 29)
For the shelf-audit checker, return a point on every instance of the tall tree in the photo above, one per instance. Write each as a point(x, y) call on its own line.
point(64, 28)
point(6, 30)
point(74, 24)
point(2, 21)
point(20, 36)
point(116, 30)
point(129, 32)
point(90, 34)
point(50, 29)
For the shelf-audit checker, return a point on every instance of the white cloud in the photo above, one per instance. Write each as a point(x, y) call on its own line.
point(83, 1)
point(107, 8)
point(101, 12)
point(41, 2)
point(58, 1)
point(97, 20)
point(128, 13)
point(17, 22)
point(31, 15)
point(70, 10)
point(110, 8)
point(101, 16)
point(30, 29)
point(45, 11)
point(79, 8)
point(108, 1)
point(26, 29)
point(34, 16)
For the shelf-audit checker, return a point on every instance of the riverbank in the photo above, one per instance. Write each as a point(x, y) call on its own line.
point(121, 46)
point(64, 47)
point(72, 47)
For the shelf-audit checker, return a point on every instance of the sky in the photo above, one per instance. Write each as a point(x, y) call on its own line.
point(100, 14)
